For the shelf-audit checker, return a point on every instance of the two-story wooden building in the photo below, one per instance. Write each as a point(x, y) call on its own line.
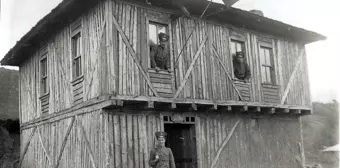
point(89, 97)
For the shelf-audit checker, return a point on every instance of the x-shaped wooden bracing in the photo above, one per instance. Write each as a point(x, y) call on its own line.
point(61, 150)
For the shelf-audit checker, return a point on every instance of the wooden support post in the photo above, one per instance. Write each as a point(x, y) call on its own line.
point(194, 106)
point(26, 146)
point(215, 106)
point(120, 102)
point(230, 108)
point(296, 111)
point(173, 106)
point(151, 104)
point(244, 109)
point(286, 110)
point(255, 109)
point(223, 144)
point(185, 79)
point(61, 151)
point(271, 110)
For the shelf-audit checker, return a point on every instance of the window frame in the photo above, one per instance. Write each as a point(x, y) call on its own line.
point(43, 77)
point(158, 21)
point(268, 46)
point(76, 34)
point(240, 38)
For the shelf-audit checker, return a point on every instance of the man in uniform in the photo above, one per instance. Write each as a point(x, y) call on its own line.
point(161, 156)
point(241, 68)
point(160, 54)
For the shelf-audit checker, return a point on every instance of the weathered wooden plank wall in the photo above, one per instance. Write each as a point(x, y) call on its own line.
point(115, 140)
point(263, 142)
point(112, 138)
point(288, 54)
point(109, 68)
point(97, 62)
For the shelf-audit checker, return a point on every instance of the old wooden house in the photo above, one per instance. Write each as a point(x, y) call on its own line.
point(90, 98)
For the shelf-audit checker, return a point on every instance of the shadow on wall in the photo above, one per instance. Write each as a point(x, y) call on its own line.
point(9, 143)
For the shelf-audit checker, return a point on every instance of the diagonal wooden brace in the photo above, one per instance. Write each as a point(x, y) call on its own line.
point(190, 68)
point(134, 55)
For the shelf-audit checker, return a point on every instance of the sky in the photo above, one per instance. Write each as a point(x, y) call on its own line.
point(19, 16)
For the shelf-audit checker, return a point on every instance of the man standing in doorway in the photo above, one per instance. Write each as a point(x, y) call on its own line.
point(161, 156)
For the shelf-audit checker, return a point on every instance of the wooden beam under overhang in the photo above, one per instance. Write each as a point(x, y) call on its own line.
point(229, 3)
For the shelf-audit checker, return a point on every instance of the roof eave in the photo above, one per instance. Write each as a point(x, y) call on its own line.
point(61, 13)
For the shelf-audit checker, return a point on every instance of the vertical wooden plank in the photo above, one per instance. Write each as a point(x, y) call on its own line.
point(130, 154)
point(118, 154)
point(135, 141)
point(141, 142)
point(145, 142)
point(209, 140)
point(198, 141)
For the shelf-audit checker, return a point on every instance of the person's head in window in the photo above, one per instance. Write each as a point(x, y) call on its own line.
point(239, 57)
point(163, 39)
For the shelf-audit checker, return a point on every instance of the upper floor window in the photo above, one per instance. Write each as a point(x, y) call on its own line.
point(240, 66)
point(154, 30)
point(236, 46)
point(267, 65)
point(159, 46)
point(76, 55)
point(43, 73)
point(76, 49)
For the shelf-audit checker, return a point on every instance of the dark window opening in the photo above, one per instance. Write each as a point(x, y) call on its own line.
point(43, 75)
point(76, 55)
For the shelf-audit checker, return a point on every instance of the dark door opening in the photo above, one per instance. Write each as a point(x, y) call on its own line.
point(182, 141)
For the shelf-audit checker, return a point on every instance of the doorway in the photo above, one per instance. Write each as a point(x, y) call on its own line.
point(181, 140)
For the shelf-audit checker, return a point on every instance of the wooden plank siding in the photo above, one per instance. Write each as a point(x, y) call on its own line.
point(121, 139)
point(108, 67)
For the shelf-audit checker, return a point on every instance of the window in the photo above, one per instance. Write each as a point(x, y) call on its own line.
point(43, 74)
point(76, 55)
point(267, 67)
point(236, 46)
point(154, 30)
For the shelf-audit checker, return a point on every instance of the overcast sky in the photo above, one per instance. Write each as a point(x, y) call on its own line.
point(19, 16)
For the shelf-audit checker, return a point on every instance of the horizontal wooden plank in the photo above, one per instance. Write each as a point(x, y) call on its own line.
point(168, 95)
point(160, 85)
point(271, 94)
point(270, 86)
point(165, 90)
point(270, 89)
point(44, 102)
point(159, 76)
point(77, 93)
point(161, 80)
point(77, 86)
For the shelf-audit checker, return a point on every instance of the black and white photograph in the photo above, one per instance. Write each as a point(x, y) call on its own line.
point(169, 83)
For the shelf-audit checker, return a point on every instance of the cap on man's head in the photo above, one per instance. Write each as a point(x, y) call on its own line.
point(163, 37)
point(161, 134)
point(240, 53)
